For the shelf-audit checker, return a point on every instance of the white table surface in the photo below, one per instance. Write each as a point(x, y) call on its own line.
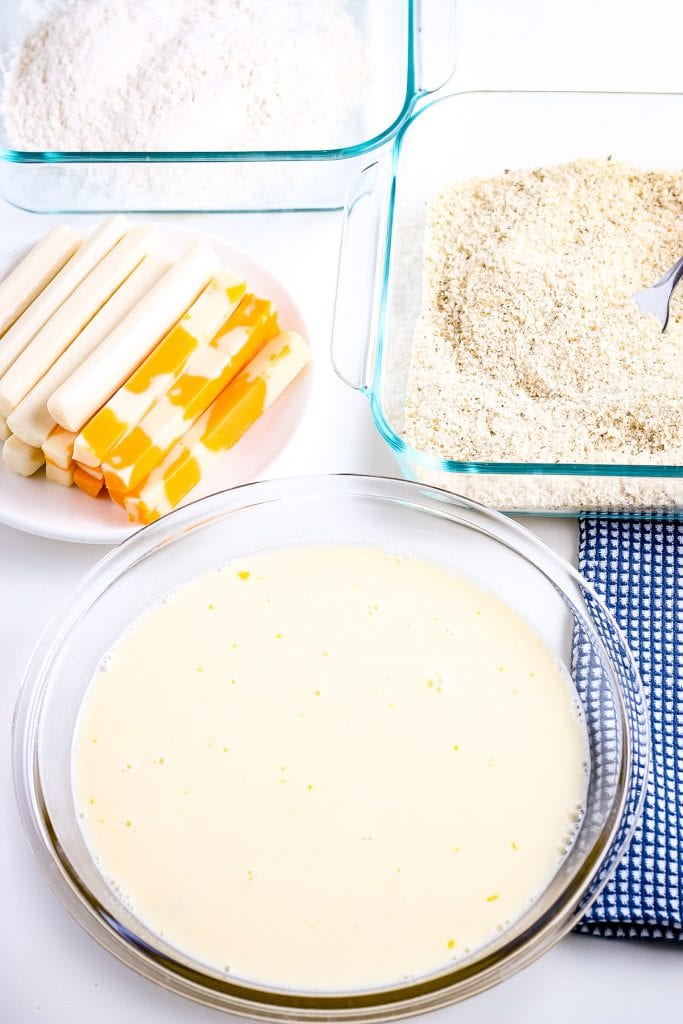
point(50, 971)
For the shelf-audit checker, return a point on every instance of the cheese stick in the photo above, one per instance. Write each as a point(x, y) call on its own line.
point(21, 458)
point(96, 380)
point(31, 419)
point(87, 483)
point(72, 316)
point(95, 472)
point(60, 288)
point(4, 429)
point(34, 272)
point(63, 477)
point(163, 365)
point(220, 427)
point(206, 374)
point(58, 447)
point(118, 497)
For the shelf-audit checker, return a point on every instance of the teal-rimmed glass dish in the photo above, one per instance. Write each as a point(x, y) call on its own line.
point(462, 536)
point(410, 51)
point(479, 134)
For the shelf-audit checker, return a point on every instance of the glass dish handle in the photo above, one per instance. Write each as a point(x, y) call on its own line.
point(433, 44)
point(361, 259)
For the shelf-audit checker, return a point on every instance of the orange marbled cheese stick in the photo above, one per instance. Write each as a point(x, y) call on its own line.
point(94, 471)
point(161, 368)
point(220, 427)
point(58, 447)
point(103, 372)
point(56, 475)
point(207, 372)
point(86, 482)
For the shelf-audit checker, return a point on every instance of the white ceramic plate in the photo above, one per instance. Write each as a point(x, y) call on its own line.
point(65, 513)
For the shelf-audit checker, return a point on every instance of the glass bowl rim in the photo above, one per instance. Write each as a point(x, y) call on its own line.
point(252, 1000)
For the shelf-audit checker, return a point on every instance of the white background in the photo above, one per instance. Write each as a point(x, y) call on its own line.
point(50, 971)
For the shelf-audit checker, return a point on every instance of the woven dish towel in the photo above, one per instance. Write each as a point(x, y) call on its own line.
point(637, 568)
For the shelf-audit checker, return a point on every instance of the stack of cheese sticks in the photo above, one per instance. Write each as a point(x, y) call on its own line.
point(128, 375)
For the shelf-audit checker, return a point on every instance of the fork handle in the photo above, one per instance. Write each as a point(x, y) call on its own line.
point(672, 276)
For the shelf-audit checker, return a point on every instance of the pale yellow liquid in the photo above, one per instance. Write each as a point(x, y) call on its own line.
point(329, 767)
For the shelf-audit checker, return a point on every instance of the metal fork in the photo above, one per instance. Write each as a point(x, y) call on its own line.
point(656, 299)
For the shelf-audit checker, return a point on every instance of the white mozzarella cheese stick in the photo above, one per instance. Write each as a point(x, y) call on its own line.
point(63, 477)
point(31, 419)
point(21, 458)
point(4, 429)
point(110, 366)
point(72, 316)
point(60, 288)
point(34, 272)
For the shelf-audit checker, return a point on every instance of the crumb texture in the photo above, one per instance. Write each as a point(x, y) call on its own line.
point(529, 347)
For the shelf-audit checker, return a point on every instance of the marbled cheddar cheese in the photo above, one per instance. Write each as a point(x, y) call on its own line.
point(58, 447)
point(94, 471)
point(128, 405)
point(55, 475)
point(220, 427)
point(119, 355)
point(31, 420)
point(86, 482)
point(207, 372)
point(118, 497)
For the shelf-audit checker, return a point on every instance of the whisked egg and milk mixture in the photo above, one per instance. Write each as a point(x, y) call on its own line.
point(329, 768)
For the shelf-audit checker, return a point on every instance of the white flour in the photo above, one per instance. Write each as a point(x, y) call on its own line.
point(185, 75)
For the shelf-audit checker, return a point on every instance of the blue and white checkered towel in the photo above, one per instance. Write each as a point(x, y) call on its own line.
point(637, 567)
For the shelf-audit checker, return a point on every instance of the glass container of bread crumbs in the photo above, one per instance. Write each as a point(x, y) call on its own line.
point(303, 145)
point(448, 146)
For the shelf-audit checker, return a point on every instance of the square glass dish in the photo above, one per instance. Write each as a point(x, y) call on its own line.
point(457, 137)
point(408, 50)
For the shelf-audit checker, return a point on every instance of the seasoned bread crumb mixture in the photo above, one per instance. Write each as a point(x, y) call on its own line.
point(529, 346)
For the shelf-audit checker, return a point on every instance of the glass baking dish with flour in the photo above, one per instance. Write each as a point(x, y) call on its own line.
point(458, 137)
point(408, 51)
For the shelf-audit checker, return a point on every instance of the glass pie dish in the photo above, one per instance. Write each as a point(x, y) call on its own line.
point(453, 138)
point(399, 515)
point(409, 47)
